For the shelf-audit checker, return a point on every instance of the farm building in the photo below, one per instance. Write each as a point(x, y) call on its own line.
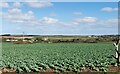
point(17, 38)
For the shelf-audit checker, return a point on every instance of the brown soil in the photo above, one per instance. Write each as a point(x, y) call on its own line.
point(0, 71)
point(114, 69)
point(50, 71)
point(85, 70)
point(7, 70)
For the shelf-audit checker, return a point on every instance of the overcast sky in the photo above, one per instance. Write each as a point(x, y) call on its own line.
point(59, 18)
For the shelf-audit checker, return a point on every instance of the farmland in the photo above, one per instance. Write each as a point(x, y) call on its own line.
point(60, 57)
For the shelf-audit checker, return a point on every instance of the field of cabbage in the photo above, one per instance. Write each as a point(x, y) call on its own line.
point(59, 57)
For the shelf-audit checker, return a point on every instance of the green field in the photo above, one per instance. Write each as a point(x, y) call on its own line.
point(60, 56)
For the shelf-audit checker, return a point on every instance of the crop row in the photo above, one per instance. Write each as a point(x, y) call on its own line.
point(59, 57)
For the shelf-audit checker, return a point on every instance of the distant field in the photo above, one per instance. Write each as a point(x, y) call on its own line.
point(58, 57)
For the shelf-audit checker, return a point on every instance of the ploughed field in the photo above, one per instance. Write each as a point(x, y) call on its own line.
point(60, 57)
